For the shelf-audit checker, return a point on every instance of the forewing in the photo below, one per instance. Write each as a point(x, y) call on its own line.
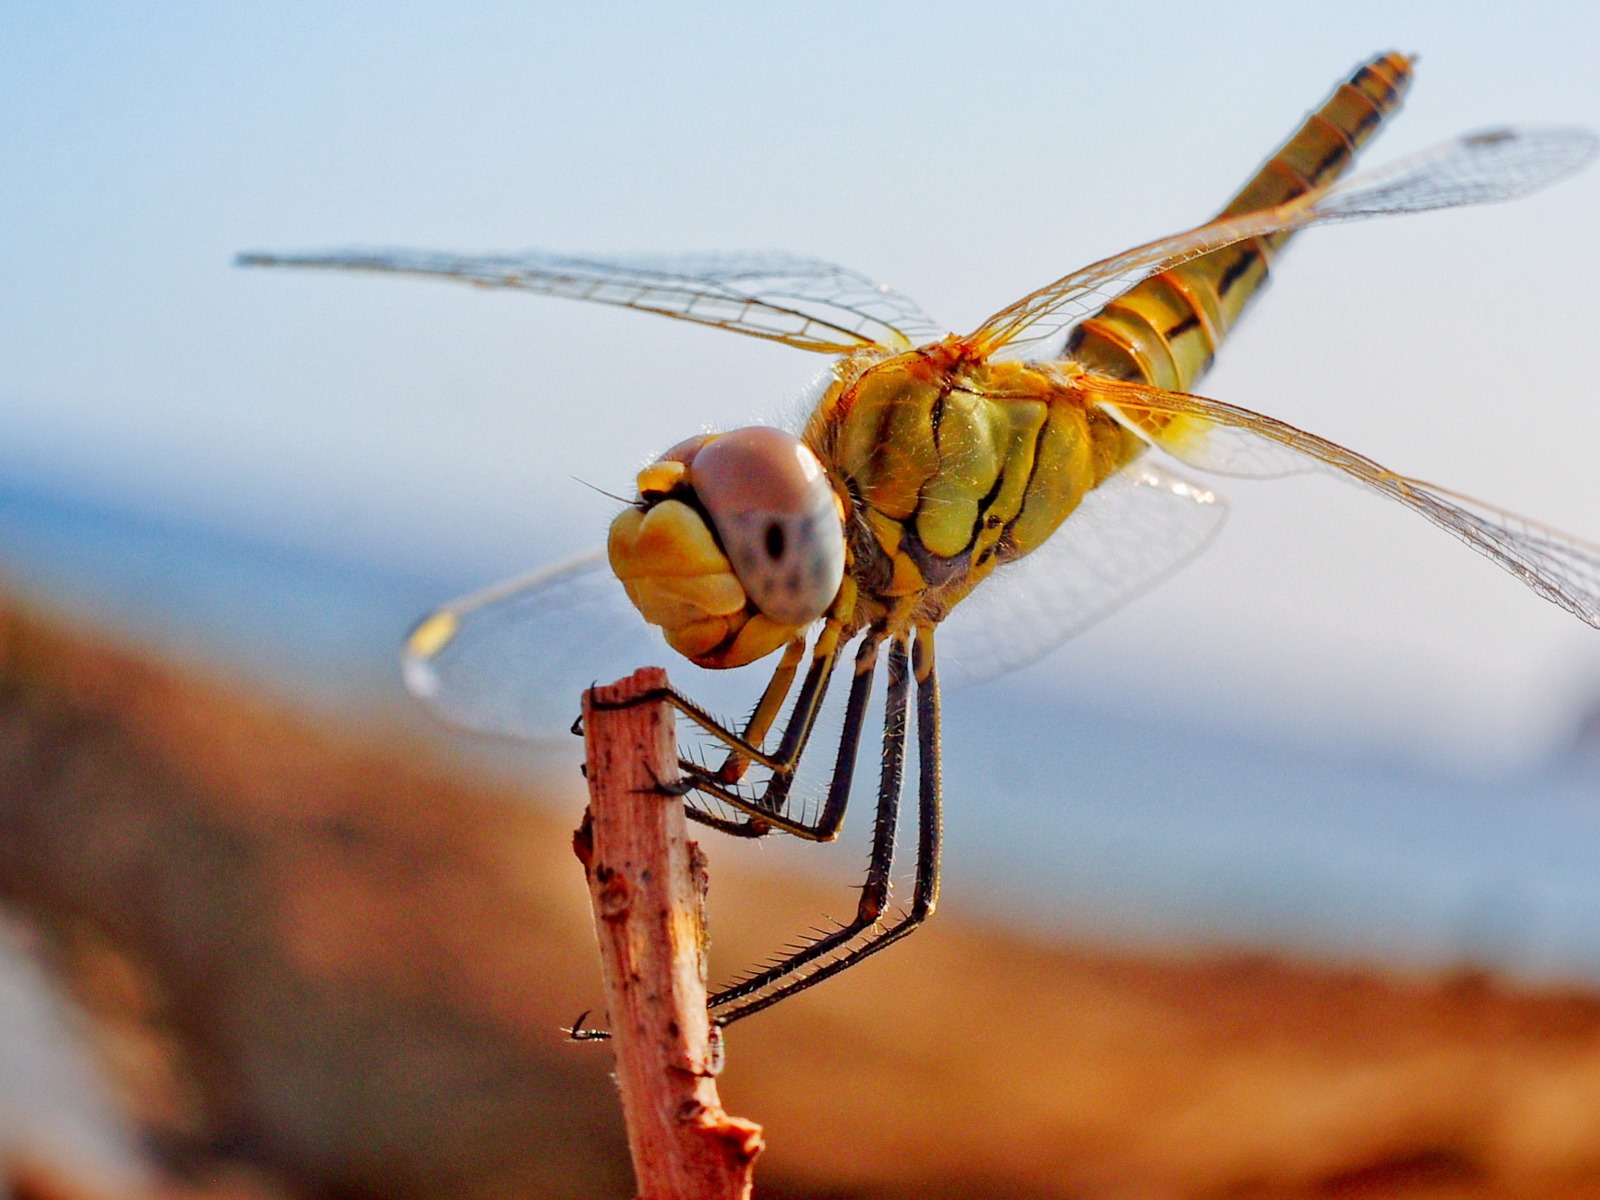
point(1477, 168)
point(515, 659)
point(1223, 438)
point(1130, 533)
point(801, 302)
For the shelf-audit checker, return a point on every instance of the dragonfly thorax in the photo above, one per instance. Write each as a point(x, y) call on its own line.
point(734, 545)
point(955, 465)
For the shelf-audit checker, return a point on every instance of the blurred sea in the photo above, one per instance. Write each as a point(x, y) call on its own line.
point(1081, 818)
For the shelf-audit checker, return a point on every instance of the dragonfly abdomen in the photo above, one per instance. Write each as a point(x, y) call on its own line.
point(1166, 330)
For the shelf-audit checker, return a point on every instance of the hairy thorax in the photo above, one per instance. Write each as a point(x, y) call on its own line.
point(952, 466)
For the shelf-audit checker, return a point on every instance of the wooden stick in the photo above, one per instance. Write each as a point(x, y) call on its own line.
point(647, 884)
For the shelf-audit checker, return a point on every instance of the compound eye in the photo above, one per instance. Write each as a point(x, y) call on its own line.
point(776, 515)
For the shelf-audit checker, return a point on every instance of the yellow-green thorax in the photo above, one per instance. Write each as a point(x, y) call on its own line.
point(952, 466)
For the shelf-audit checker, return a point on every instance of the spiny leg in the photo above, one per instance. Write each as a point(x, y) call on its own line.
point(767, 807)
point(786, 975)
point(839, 788)
point(930, 782)
point(766, 710)
point(743, 827)
point(755, 732)
point(925, 891)
point(745, 745)
point(875, 889)
point(764, 810)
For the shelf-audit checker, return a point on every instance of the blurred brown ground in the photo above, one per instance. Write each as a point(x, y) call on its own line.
point(320, 963)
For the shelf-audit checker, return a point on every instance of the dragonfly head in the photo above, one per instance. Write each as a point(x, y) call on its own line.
point(735, 544)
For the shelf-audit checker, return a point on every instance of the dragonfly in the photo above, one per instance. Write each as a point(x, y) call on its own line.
point(992, 493)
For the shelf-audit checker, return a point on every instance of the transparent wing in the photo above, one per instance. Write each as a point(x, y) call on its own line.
point(801, 302)
point(1478, 168)
point(515, 659)
point(1235, 441)
point(1131, 532)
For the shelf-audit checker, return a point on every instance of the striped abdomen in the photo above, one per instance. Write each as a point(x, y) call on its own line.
point(1166, 330)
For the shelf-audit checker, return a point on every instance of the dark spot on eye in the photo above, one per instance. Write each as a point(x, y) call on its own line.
point(774, 540)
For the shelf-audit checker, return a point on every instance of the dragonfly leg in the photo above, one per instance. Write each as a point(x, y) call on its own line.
point(755, 732)
point(760, 819)
point(824, 653)
point(868, 933)
point(762, 812)
point(832, 953)
point(767, 807)
point(742, 826)
point(766, 711)
point(699, 716)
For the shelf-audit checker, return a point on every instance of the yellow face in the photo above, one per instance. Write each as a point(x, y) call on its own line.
point(734, 545)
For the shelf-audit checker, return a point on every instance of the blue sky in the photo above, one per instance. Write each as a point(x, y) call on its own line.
point(963, 153)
